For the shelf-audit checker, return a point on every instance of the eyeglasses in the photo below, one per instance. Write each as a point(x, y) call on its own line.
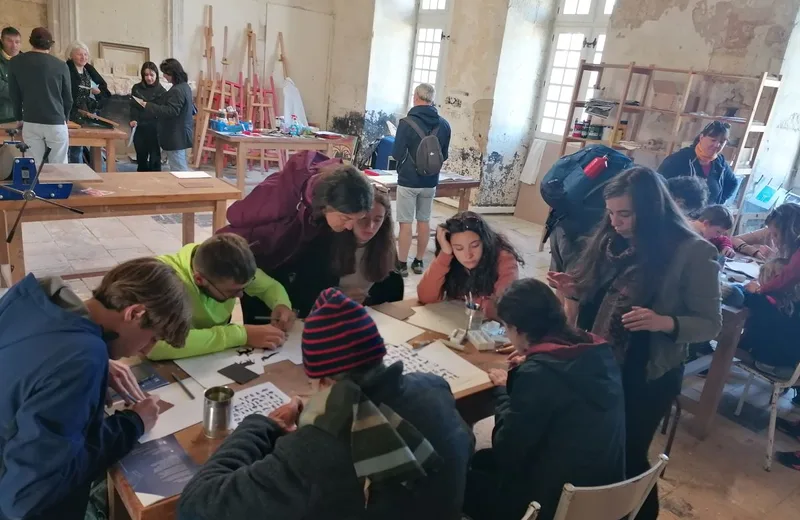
point(466, 221)
point(227, 295)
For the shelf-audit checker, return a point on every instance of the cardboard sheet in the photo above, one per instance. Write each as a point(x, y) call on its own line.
point(443, 317)
point(394, 331)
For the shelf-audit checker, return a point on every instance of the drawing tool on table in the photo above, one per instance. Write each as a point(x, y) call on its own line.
point(180, 383)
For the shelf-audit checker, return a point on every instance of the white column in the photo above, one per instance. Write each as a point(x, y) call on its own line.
point(62, 19)
point(175, 30)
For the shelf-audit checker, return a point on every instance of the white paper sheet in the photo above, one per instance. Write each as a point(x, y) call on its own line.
point(393, 331)
point(751, 269)
point(205, 368)
point(443, 317)
point(190, 175)
point(437, 359)
point(185, 413)
point(260, 399)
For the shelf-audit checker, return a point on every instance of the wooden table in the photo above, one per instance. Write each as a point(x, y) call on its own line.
point(450, 185)
point(242, 144)
point(473, 404)
point(705, 409)
point(143, 193)
point(97, 139)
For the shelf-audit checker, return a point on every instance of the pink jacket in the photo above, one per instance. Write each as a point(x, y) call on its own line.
point(431, 286)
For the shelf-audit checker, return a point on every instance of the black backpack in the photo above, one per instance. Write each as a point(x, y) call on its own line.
point(428, 158)
point(576, 201)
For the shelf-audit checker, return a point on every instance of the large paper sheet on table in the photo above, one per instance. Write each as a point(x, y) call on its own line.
point(260, 399)
point(205, 368)
point(437, 359)
point(393, 331)
point(751, 269)
point(442, 317)
point(185, 413)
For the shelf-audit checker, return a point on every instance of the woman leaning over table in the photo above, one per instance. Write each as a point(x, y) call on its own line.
point(173, 110)
point(649, 285)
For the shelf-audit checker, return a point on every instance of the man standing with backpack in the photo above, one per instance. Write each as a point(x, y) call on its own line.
point(420, 149)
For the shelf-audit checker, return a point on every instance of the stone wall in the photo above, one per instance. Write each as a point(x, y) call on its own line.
point(24, 15)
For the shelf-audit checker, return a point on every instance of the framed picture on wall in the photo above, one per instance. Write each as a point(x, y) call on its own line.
point(125, 60)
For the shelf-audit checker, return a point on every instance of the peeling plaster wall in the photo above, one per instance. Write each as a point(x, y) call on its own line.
point(473, 54)
point(24, 15)
point(352, 40)
point(523, 60)
point(746, 37)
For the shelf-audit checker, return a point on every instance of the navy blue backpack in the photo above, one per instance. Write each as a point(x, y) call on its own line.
point(576, 201)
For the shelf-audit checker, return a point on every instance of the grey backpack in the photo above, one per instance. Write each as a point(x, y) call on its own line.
point(428, 159)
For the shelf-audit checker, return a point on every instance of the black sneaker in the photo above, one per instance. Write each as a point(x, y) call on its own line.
point(417, 266)
point(790, 459)
point(402, 269)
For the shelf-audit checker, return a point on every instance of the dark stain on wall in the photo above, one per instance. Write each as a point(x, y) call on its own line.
point(351, 123)
point(499, 180)
point(451, 100)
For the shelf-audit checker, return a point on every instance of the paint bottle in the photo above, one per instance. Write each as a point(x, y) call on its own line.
point(577, 128)
point(620, 135)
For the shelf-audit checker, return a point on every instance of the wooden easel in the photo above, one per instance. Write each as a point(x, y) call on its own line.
point(205, 89)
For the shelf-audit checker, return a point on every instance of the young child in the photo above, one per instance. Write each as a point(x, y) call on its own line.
point(689, 193)
point(714, 223)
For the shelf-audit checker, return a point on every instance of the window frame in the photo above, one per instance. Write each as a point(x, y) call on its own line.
point(431, 19)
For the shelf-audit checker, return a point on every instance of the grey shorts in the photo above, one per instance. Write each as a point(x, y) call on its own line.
point(414, 204)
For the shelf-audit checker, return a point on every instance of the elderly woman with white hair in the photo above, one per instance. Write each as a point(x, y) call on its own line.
point(85, 96)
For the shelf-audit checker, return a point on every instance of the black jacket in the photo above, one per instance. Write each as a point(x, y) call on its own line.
point(769, 334)
point(260, 472)
point(560, 420)
point(174, 113)
point(684, 163)
point(149, 93)
point(407, 140)
point(95, 76)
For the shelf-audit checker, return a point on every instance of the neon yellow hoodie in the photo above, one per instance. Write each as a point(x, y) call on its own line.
point(211, 327)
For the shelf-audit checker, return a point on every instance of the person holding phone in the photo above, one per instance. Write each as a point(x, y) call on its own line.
point(173, 111)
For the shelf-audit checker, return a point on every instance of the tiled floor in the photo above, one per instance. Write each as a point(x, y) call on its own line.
point(720, 478)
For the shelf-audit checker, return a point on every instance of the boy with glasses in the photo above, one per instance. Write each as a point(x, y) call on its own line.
point(216, 273)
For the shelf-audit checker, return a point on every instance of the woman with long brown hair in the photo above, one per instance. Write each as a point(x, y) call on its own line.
point(648, 284)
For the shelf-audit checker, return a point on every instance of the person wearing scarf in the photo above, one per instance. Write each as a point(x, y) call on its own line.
point(704, 159)
point(373, 442)
point(649, 285)
point(559, 412)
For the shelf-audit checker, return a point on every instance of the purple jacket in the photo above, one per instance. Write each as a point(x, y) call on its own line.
point(277, 216)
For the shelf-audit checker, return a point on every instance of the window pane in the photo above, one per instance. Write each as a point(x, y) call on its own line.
point(432, 77)
point(569, 76)
point(566, 94)
point(550, 109)
point(589, 94)
point(418, 62)
point(563, 41)
point(557, 76)
point(574, 59)
point(553, 92)
point(428, 48)
point(558, 126)
point(570, 6)
point(425, 76)
point(426, 63)
point(426, 4)
point(547, 125)
point(563, 111)
point(420, 48)
point(609, 7)
point(428, 34)
point(442, 4)
point(434, 64)
point(577, 42)
point(435, 49)
point(437, 35)
point(560, 59)
point(598, 57)
point(418, 75)
point(601, 43)
point(584, 6)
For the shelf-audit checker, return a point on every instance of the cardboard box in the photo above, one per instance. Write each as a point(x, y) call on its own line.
point(530, 205)
point(668, 95)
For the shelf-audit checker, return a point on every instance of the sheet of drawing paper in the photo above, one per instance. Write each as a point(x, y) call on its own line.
point(751, 269)
point(260, 399)
point(437, 359)
point(392, 330)
point(158, 469)
point(442, 317)
point(205, 369)
point(183, 414)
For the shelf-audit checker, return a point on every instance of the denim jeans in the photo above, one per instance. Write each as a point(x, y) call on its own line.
point(176, 160)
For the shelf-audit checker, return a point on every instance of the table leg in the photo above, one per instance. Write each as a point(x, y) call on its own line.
point(219, 156)
point(218, 220)
point(111, 157)
point(188, 228)
point(241, 166)
point(97, 158)
point(718, 373)
point(463, 199)
point(16, 255)
point(116, 509)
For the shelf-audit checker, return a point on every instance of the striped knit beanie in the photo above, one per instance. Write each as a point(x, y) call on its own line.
point(339, 335)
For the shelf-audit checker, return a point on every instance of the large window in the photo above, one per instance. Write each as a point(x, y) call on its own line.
point(579, 34)
point(433, 19)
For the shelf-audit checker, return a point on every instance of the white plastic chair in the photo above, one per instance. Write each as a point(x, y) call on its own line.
point(610, 502)
point(778, 387)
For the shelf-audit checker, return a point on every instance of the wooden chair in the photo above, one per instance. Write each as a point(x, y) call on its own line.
point(778, 387)
point(611, 502)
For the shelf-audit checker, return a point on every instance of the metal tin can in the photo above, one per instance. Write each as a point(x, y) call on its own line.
point(217, 411)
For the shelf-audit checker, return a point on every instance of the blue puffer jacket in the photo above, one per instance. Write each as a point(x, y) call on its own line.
point(54, 436)
point(684, 163)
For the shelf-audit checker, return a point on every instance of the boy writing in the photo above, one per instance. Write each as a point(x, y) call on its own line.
point(714, 223)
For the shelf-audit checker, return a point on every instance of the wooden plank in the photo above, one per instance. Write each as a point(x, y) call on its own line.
point(64, 173)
